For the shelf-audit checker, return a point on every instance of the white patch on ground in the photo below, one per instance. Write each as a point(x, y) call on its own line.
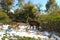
point(22, 32)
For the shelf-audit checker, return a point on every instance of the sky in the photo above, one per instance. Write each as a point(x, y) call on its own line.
point(43, 2)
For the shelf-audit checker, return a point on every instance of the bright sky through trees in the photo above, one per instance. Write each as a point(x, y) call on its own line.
point(43, 2)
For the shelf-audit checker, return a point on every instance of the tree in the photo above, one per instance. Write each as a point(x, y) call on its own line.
point(50, 22)
point(28, 12)
point(50, 5)
point(20, 2)
point(6, 5)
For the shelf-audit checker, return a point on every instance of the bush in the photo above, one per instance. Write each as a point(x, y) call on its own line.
point(50, 22)
point(3, 17)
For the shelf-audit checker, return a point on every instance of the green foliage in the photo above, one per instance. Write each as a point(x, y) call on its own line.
point(18, 38)
point(6, 5)
point(25, 38)
point(3, 17)
point(50, 22)
point(52, 1)
point(20, 2)
point(50, 5)
point(28, 12)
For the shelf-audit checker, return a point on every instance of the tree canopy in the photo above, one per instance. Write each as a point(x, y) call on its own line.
point(6, 5)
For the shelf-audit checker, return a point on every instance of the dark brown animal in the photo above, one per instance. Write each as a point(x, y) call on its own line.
point(34, 23)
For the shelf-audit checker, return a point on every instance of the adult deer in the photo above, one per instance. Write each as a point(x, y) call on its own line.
point(34, 23)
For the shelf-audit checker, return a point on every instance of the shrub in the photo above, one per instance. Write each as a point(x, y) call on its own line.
point(4, 18)
point(50, 22)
